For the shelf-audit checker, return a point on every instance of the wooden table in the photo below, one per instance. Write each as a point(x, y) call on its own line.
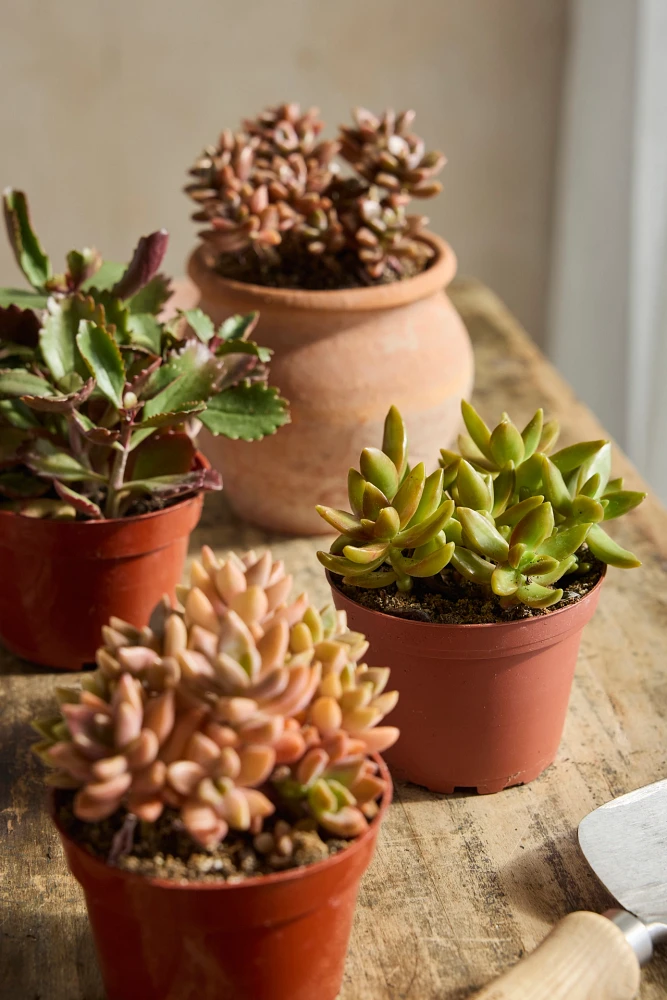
point(462, 885)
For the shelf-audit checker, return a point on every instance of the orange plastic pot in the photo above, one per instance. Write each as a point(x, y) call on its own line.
point(481, 706)
point(276, 937)
point(60, 581)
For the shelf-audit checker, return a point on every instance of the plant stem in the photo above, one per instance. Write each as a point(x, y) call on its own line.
point(118, 472)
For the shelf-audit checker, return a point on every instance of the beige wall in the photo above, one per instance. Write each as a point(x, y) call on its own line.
point(106, 103)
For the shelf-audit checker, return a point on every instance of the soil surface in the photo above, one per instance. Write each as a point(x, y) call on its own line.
point(451, 600)
point(165, 850)
point(305, 271)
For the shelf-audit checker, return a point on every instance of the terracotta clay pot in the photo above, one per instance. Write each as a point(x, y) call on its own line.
point(341, 358)
point(275, 937)
point(481, 706)
point(60, 581)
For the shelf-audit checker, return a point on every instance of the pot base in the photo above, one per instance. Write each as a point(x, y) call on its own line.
point(490, 786)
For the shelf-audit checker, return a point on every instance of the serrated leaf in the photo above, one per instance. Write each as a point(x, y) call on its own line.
point(146, 260)
point(244, 347)
point(171, 419)
point(152, 297)
point(165, 454)
point(60, 404)
point(187, 378)
point(17, 414)
point(173, 486)
point(82, 265)
point(54, 463)
point(22, 298)
point(104, 279)
point(202, 324)
point(80, 503)
point(102, 356)
point(248, 412)
point(98, 435)
point(17, 382)
point(19, 485)
point(144, 330)
point(27, 249)
point(238, 327)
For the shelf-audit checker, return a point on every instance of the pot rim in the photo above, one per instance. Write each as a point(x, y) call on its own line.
point(373, 297)
point(472, 626)
point(277, 878)
point(200, 460)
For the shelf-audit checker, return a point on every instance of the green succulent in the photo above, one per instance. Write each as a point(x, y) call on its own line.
point(394, 531)
point(503, 512)
point(100, 399)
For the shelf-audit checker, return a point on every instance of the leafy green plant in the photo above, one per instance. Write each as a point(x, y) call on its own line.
point(99, 398)
point(504, 512)
point(279, 212)
point(237, 706)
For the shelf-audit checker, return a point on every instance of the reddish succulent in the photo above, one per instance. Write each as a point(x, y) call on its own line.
point(275, 189)
point(235, 706)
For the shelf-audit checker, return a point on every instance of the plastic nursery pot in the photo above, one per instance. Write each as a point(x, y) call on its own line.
point(60, 581)
point(341, 358)
point(481, 706)
point(274, 937)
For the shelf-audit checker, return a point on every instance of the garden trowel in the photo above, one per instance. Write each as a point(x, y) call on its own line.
point(592, 957)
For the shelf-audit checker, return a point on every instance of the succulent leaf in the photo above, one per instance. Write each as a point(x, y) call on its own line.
point(531, 434)
point(471, 566)
point(477, 429)
point(608, 551)
point(473, 490)
point(537, 596)
point(535, 527)
point(565, 542)
point(102, 356)
point(620, 502)
point(378, 469)
point(555, 490)
point(571, 458)
point(246, 412)
point(395, 440)
point(506, 444)
point(485, 538)
point(408, 497)
point(27, 249)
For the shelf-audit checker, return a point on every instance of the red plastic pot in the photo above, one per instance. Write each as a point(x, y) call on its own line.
point(60, 581)
point(481, 706)
point(276, 937)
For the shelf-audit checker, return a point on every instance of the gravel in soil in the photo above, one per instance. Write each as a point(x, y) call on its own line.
point(451, 600)
point(165, 850)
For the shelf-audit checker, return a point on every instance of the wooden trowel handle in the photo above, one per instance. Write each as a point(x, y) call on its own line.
point(585, 957)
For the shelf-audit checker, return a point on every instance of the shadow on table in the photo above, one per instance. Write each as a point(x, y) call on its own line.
point(48, 957)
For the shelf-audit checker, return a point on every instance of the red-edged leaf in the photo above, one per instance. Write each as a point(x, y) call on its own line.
point(98, 435)
point(145, 264)
point(18, 485)
point(19, 326)
point(162, 455)
point(60, 404)
point(79, 502)
point(168, 487)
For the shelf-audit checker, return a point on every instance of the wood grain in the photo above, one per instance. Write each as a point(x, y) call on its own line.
point(462, 886)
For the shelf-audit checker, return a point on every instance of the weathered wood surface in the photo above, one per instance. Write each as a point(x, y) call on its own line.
point(463, 885)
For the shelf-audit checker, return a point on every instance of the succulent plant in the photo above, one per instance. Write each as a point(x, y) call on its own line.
point(503, 512)
point(235, 706)
point(99, 399)
point(273, 198)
